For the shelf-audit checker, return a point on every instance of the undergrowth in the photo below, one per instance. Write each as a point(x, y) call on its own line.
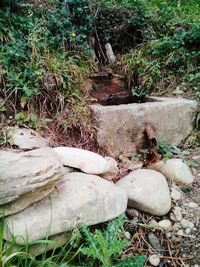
point(43, 61)
point(46, 51)
point(84, 247)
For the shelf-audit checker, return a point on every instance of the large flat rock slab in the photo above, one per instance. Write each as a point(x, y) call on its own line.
point(23, 172)
point(79, 199)
point(120, 126)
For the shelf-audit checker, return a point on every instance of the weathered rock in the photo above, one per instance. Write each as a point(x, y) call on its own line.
point(174, 170)
point(26, 138)
point(87, 161)
point(147, 190)
point(154, 260)
point(24, 172)
point(79, 199)
point(29, 198)
point(120, 126)
point(26, 200)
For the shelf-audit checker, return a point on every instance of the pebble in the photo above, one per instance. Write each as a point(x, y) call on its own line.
point(193, 205)
point(187, 231)
point(187, 224)
point(166, 224)
point(175, 194)
point(127, 235)
point(177, 225)
point(177, 213)
point(154, 260)
point(178, 91)
point(197, 159)
point(154, 241)
point(172, 217)
point(132, 213)
point(176, 239)
point(180, 233)
point(168, 234)
point(153, 223)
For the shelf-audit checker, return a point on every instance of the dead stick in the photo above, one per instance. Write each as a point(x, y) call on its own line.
point(176, 258)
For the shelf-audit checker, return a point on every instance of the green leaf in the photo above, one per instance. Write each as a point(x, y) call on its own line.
point(186, 190)
point(137, 261)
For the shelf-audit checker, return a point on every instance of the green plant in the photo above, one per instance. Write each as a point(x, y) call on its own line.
point(102, 248)
point(168, 151)
point(40, 59)
point(105, 246)
point(30, 119)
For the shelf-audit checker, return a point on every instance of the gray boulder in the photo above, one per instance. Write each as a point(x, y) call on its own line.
point(147, 191)
point(79, 199)
point(25, 172)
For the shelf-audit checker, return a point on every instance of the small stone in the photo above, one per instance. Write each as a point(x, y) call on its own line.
point(175, 194)
point(178, 91)
point(197, 159)
point(180, 233)
point(177, 225)
point(166, 224)
point(177, 213)
point(132, 213)
point(176, 239)
point(172, 217)
point(127, 235)
point(187, 231)
point(154, 241)
point(168, 234)
point(154, 260)
point(193, 205)
point(153, 223)
point(187, 224)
